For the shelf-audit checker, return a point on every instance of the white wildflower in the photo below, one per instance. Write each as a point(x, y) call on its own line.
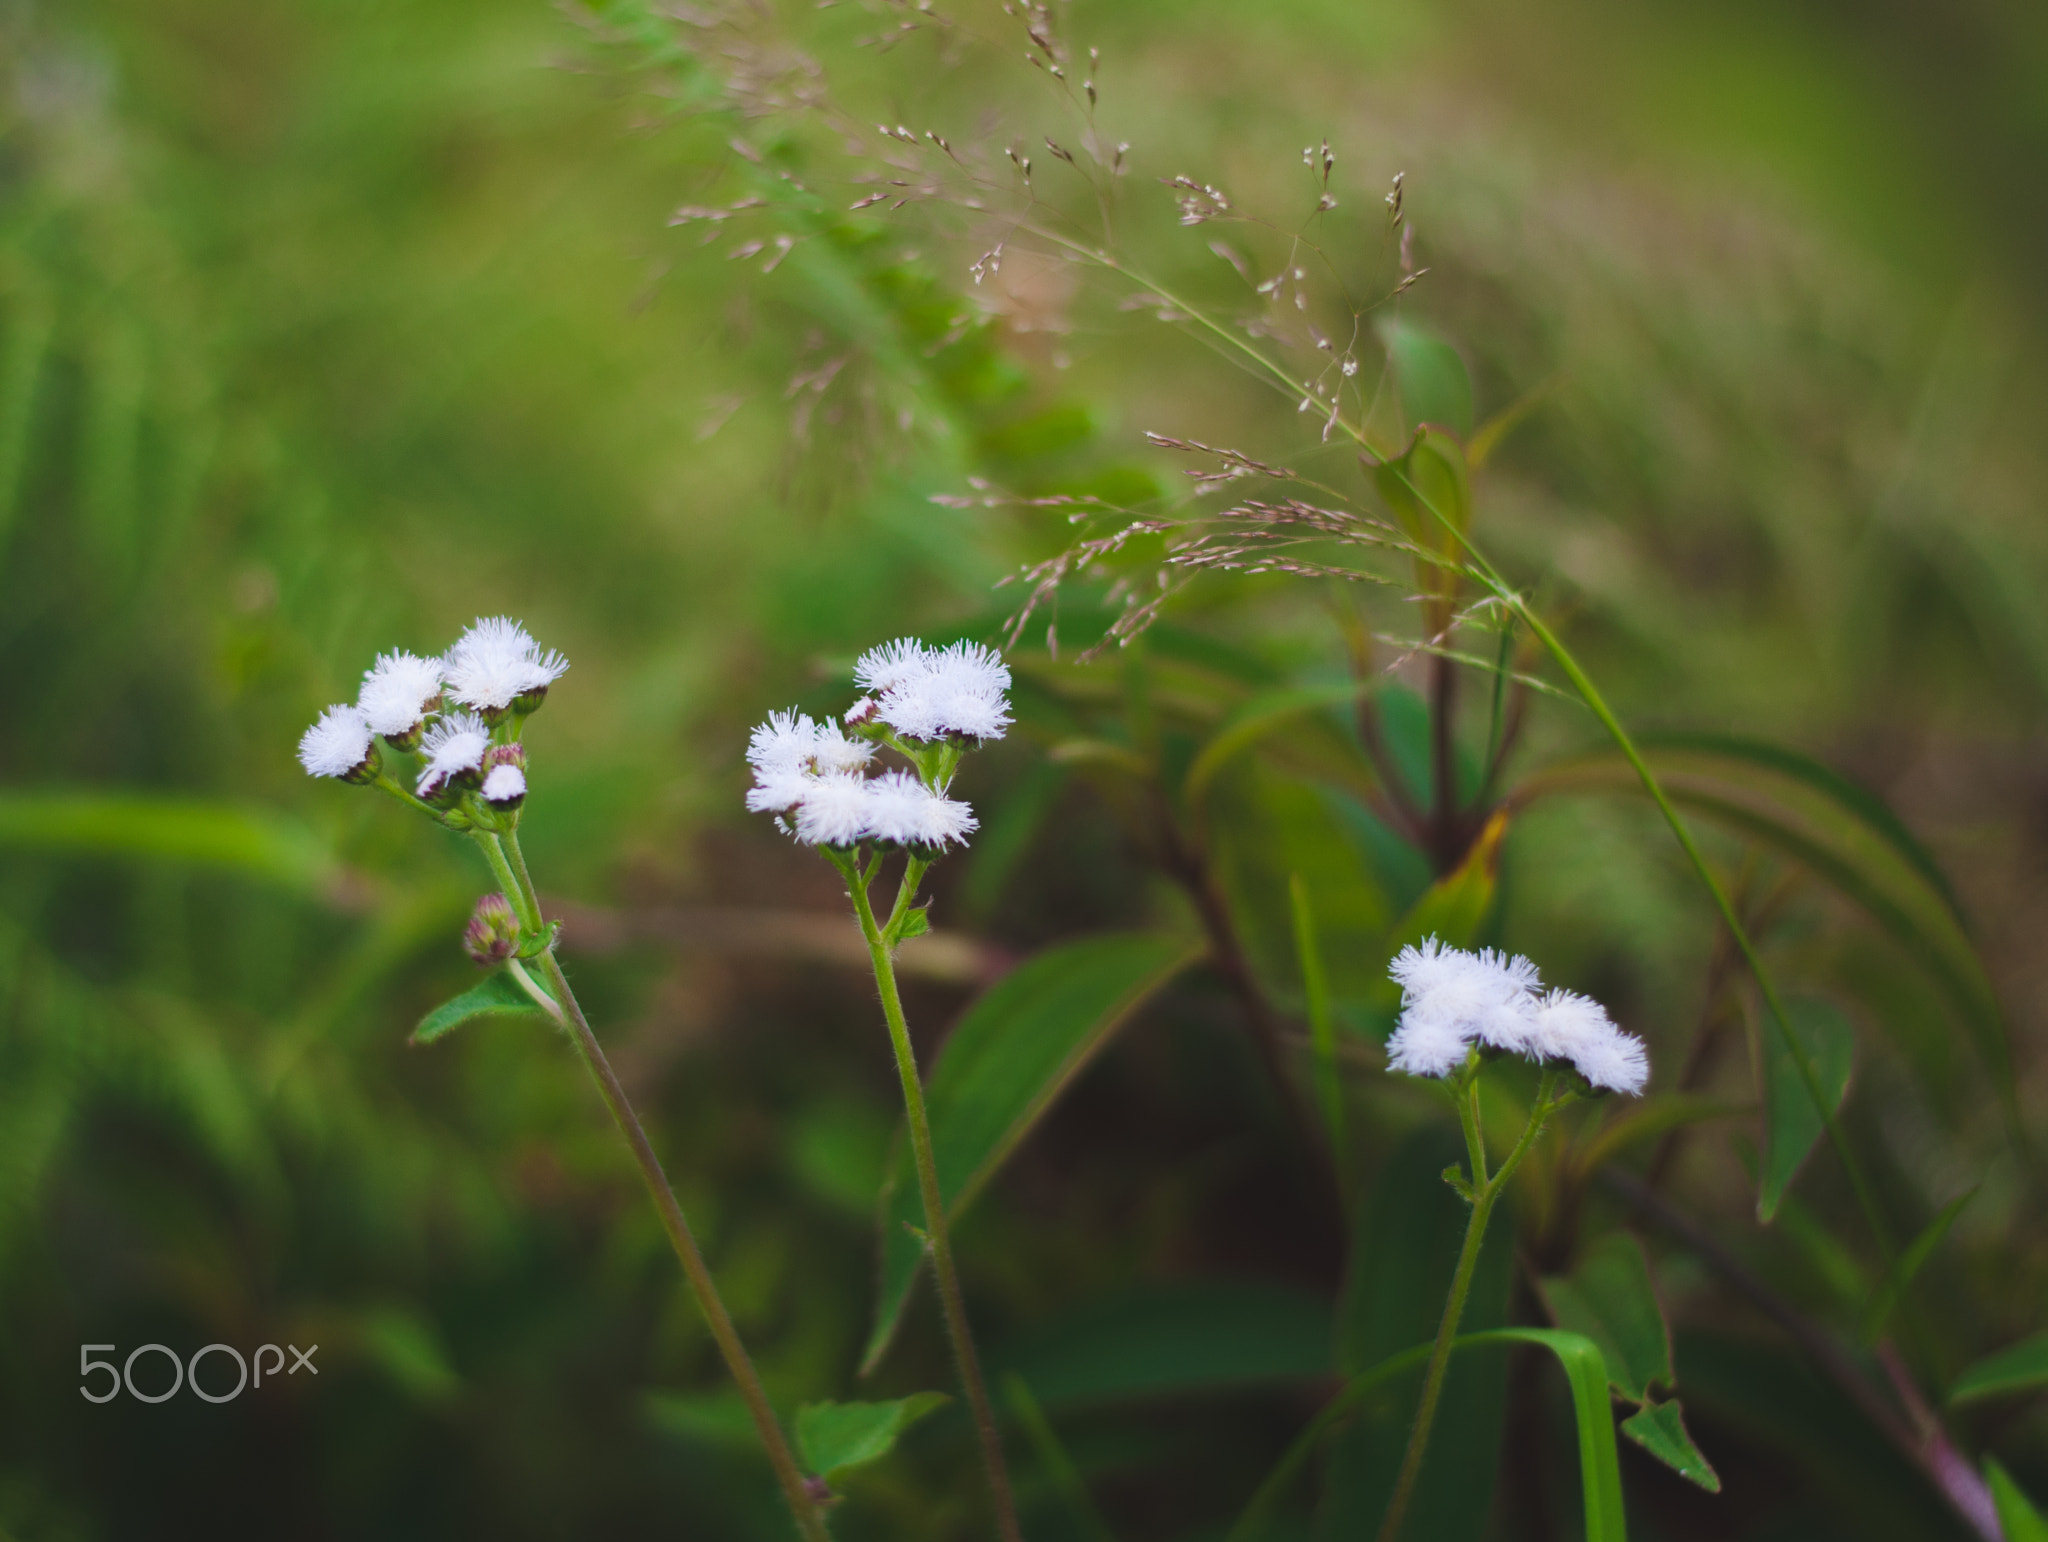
point(790, 752)
point(961, 692)
point(337, 745)
point(1568, 1026)
point(1452, 996)
point(454, 745)
point(782, 744)
point(495, 663)
point(834, 811)
point(1426, 1046)
point(902, 809)
point(893, 664)
point(397, 693)
point(504, 786)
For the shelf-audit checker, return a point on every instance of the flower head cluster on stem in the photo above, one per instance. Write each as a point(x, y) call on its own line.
point(929, 705)
point(1455, 1002)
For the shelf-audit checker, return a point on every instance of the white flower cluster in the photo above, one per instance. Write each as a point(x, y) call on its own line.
point(494, 669)
point(814, 776)
point(961, 692)
point(1452, 999)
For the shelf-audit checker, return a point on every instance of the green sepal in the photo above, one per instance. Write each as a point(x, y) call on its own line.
point(533, 944)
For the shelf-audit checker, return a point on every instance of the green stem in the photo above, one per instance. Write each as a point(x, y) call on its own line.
point(810, 1519)
point(1485, 1192)
point(938, 1235)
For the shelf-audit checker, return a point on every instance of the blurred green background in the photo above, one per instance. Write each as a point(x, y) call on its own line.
point(325, 328)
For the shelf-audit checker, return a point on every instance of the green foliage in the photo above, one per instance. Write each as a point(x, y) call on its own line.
point(835, 1437)
point(1792, 1125)
point(2018, 1517)
point(2019, 1368)
point(497, 994)
point(1609, 1299)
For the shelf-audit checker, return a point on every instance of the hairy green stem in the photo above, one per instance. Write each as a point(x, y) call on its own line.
point(511, 873)
point(881, 941)
point(1485, 1192)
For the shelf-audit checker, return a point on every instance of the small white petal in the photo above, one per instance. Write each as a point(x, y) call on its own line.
point(453, 745)
point(884, 668)
point(396, 691)
point(835, 811)
point(903, 809)
point(495, 661)
point(504, 784)
point(337, 744)
point(1426, 1046)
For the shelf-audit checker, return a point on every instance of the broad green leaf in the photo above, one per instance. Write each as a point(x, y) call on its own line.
point(1403, 1250)
point(1792, 1124)
point(1429, 478)
point(1269, 713)
point(1451, 910)
point(1271, 829)
point(1842, 832)
point(2018, 1516)
point(2021, 1367)
point(496, 994)
point(1610, 1299)
point(254, 841)
point(1173, 1339)
point(1908, 1264)
point(832, 1437)
point(1012, 1054)
point(1659, 1428)
point(1430, 374)
point(1599, 1458)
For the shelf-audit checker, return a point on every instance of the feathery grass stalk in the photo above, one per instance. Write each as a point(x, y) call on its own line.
point(881, 940)
point(508, 865)
point(1486, 1190)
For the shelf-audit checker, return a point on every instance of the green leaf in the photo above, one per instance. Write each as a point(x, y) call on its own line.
point(253, 841)
point(1659, 1428)
point(498, 993)
point(832, 1437)
point(1428, 478)
point(1599, 1457)
point(1610, 1299)
point(915, 923)
point(1650, 1117)
point(1017, 1048)
point(1452, 909)
point(2018, 1516)
point(1792, 1124)
point(1908, 1264)
point(1168, 1340)
point(1296, 709)
point(2020, 1367)
point(1430, 374)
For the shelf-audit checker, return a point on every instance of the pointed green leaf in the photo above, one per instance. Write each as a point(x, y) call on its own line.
point(832, 1437)
point(1012, 1054)
point(915, 923)
point(496, 993)
point(1599, 1457)
point(1430, 375)
point(1909, 1263)
point(2018, 1516)
point(1659, 1428)
point(1429, 478)
point(1610, 1299)
point(2020, 1367)
point(1792, 1124)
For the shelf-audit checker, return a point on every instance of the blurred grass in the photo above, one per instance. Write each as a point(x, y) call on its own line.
point(326, 328)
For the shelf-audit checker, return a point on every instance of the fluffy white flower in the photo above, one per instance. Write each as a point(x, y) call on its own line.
point(1449, 995)
point(834, 811)
point(495, 662)
point(790, 752)
point(504, 786)
point(782, 744)
point(338, 744)
point(452, 746)
point(1426, 1046)
point(1572, 1027)
point(961, 692)
point(396, 692)
point(893, 664)
point(778, 792)
point(904, 810)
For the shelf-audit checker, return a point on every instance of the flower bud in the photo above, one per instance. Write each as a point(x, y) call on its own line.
point(504, 777)
point(493, 931)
